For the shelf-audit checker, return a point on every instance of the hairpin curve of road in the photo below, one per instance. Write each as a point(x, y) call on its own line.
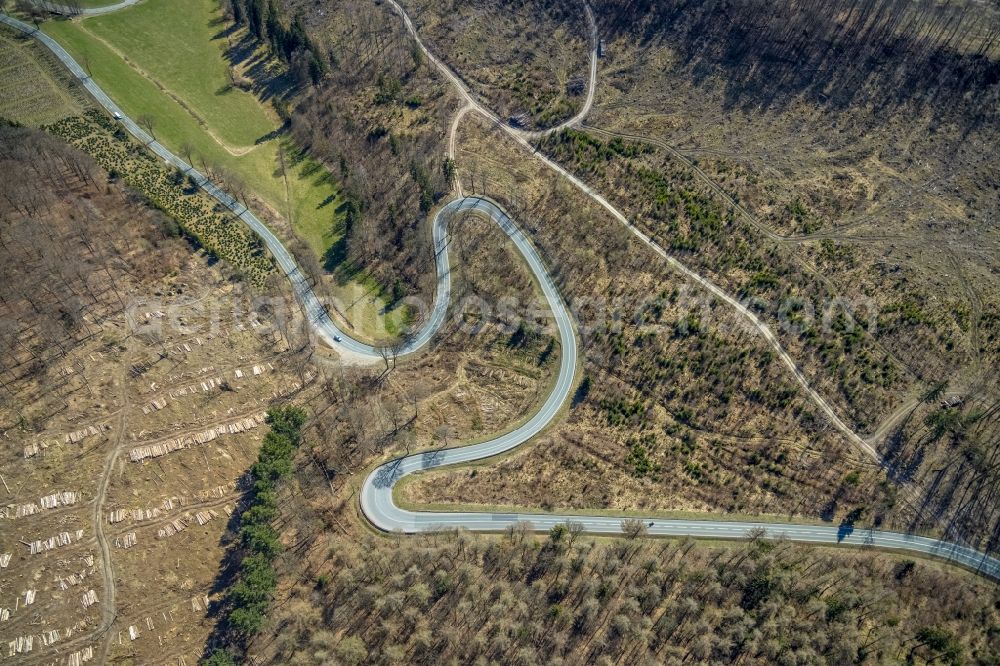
point(376, 498)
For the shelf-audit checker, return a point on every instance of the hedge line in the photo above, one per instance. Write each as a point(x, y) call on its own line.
point(248, 599)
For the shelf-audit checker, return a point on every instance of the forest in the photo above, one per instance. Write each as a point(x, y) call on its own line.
point(894, 56)
point(842, 56)
point(61, 255)
point(679, 407)
point(371, 111)
point(288, 42)
point(567, 598)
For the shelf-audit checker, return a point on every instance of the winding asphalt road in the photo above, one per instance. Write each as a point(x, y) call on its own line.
point(350, 350)
point(65, 10)
point(524, 138)
point(377, 500)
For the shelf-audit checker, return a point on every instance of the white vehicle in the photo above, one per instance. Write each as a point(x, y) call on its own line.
point(117, 115)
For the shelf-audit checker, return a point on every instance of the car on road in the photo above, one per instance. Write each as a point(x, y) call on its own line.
point(117, 115)
point(337, 338)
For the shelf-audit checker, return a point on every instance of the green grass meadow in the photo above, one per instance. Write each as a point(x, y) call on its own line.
point(166, 59)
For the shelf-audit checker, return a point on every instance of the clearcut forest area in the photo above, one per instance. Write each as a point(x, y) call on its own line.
point(533, 332)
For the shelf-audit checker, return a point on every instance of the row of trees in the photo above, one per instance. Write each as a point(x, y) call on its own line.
point(248, 599)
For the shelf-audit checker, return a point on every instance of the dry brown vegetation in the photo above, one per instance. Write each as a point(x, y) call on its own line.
point(845, 161)
point(830, 339)
point(681, 407)
point(55, 274)
point(351, 598)
point(953, 449)
point(687, 409)
point(527, 59)
point(34, 93)
point(117, 337)
point(813, 133)
point(347, 596)
point(854, 204)
point(200, 217)
point(486, 370)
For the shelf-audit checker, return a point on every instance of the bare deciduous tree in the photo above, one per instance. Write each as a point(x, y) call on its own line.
point(633, 528)
point(147, 122)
